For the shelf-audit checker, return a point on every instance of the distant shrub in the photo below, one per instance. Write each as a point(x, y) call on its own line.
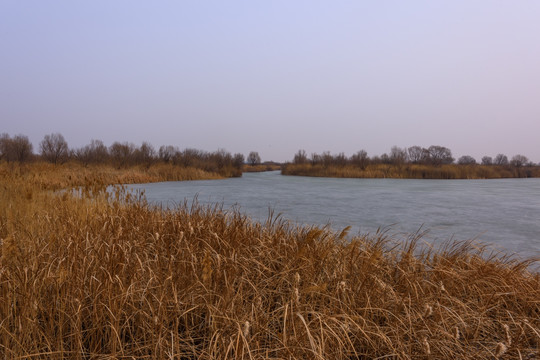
point(466, 160)
point(18, 148)
point(487, 160)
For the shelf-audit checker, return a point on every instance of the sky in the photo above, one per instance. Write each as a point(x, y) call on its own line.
point(275, 76)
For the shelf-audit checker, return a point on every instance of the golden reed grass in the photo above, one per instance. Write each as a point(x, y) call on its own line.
point(100, 276)
point(48, 176)
point(260, 167)
point(413, 171)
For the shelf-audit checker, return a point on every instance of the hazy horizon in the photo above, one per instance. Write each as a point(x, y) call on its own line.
point(275, 77)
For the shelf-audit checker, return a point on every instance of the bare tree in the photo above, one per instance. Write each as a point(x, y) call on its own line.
point(487, 160)
point(194, 157)
point(238, 160)
point(360, 159)
point(95, 152)
point(501, 159)
point(417, 154)
point(340, 159)
point(440, 155)
point(466, 160)
point(167, 152)
point(385, 159)
point(22, 148)
point(316, 159)
point(254, 158)
point(519, 160)
point(122, 153)
point(398, 155)
point(327, 158)
point(220, 158)
point(5, 142)
point(145, 154)
point(18, 148)
point(54, 148)
point(300, 157)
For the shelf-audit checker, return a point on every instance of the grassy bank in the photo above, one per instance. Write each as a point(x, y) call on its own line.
point(46, 176)
point(101, 276)
point(413, 171)
point(261, 167)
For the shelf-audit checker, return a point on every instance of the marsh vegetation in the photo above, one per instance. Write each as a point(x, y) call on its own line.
point(178, 164)
point(415, 162)
point(107, 275)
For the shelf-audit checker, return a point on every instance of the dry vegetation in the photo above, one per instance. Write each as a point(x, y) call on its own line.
point(435, 162)
point(135, 161)
point(413, 171)
point(46, 176)
point(261, 167)
point(102, 276)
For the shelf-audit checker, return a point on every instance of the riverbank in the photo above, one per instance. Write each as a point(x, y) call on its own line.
point(47, 176)
point(107, 276)
point(412, 171)
point(261, 167)
point(73, 174)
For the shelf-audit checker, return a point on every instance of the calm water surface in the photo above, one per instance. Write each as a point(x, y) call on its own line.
point(504, 213)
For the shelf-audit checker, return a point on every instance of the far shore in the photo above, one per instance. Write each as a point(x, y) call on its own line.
point(270, 166)
point(413, 171)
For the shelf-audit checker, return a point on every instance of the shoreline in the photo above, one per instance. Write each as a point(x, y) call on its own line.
point(413, 171)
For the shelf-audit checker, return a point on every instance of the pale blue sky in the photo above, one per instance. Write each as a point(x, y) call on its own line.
point(275, 76)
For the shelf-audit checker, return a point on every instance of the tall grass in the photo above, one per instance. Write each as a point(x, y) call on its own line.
point(261, 167)
point(412, 171)
point(47, 176)
point(109, 276)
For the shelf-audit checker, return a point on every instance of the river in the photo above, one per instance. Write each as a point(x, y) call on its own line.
point(504, 213)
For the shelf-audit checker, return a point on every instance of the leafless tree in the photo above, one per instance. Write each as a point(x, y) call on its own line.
point(340, 160)
point(385, 159)
point(122, 153)
point(327, 158)
point(145, 154)
point(300, 157)
point(398, 155)
point(238, 160)
point(360, 159)
point(194, 157)
point(440, 155)
point(167, 152)
point(95, 152)
point(466, 160)
point(5, 142)
point(18, 148)
point(500, 159)
point(54, 148)
point(417, 154)
point(519, 160)
point(316, 159)
point(487, 160)
point(254, 158)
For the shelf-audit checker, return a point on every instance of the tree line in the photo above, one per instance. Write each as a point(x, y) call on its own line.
point(434, 155)
point(54, 149)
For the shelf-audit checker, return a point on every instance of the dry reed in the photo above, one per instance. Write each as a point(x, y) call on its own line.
point(99, 276)
point(413, 171)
